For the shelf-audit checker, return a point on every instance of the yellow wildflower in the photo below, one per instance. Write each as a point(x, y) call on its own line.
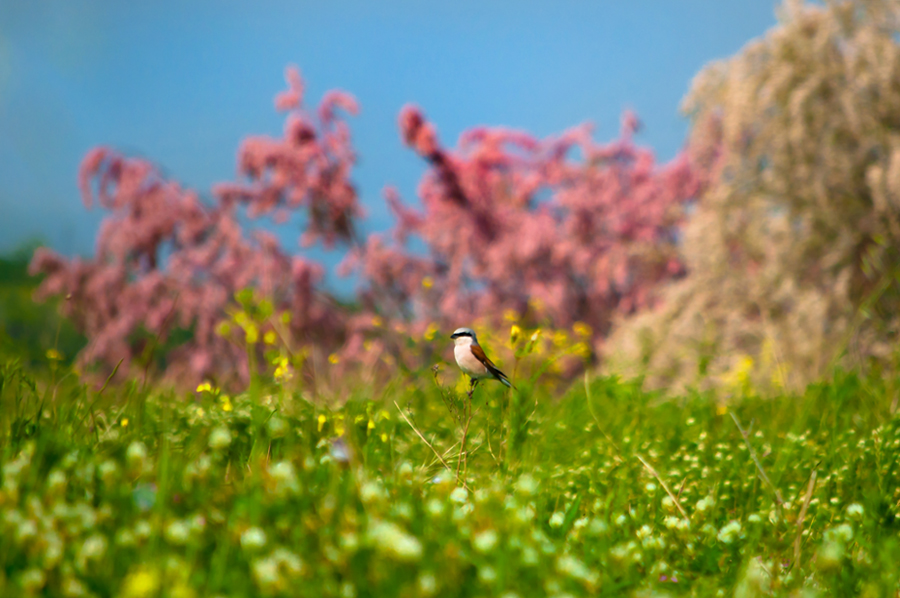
point(283, 369)
point(560, 338)
point(124, 422)
point(514, 333)
point(376, 321)
point(252, 333)
point(322, 419)
point(204, 386)
point(427, 282)
point(142, 583)
point(582, 349)
point(53, 354)
point(738, 377)
point(223, 329)
point(333, 359)
point(269, 337)
point(582, 329)
point(431, 331)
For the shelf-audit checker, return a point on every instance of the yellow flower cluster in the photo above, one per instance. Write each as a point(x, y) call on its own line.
point(224, 399)
point(283, 371)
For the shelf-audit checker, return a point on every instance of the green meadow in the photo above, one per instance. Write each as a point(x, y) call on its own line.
point(132, 491)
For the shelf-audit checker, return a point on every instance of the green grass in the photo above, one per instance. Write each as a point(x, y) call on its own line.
point(137, 492)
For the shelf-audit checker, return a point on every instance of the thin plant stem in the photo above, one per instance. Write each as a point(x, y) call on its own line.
point(762, 472)
point(467, 410)
point(664, 485)
point(425, 440)
point(809, 493)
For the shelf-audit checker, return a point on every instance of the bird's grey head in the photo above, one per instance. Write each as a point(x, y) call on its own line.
point(464, 333)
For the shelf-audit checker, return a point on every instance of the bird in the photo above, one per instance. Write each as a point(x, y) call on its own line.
point(471, 359)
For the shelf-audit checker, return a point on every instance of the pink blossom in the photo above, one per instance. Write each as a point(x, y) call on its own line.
point(558, 230)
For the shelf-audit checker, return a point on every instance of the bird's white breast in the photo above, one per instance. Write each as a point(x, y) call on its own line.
point(467, 362)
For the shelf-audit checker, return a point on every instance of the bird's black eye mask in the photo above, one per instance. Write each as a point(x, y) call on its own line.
point(459, 334)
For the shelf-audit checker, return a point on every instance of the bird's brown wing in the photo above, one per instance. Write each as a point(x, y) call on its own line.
point(478, 352)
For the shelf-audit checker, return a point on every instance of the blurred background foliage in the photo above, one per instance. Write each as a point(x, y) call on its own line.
point(792, 251)
point(35, 333)
point(761, 257)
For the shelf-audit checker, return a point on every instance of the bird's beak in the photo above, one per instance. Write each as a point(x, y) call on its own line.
point(454, 335)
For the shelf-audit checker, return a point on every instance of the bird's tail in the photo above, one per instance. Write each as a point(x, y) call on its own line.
point(502, 378)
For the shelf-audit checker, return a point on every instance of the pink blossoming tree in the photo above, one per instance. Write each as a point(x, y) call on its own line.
point(167, 260)
point(559, 231)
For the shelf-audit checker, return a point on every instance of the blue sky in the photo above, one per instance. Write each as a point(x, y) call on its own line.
point(182, 83)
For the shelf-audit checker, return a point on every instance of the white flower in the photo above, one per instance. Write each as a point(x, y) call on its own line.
point(371, 492)
point(487, 574)
point(839, 533)
point(178, 532)
point(427, 584)
point(284, 477)
point(730, 532)
point(92, 550)
point(526, 484)
point(265, 572)
point(391, 540)
point(459, 495)
point(253, 539)
point(524, 514)
point(405, 470)
point(855, 511)
point(288, 562)
point(136, 453)
point(574, 568)
point(219, 438)
point(557, 519)
point(705, 504)
point(485, 541)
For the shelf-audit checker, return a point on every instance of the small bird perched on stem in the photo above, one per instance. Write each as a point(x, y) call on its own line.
point(471, 359)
